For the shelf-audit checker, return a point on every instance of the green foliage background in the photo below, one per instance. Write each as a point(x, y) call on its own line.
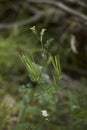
point(15, 39)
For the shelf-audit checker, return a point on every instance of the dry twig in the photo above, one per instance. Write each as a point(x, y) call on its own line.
point(78, 2)
point(30, 20)
point(38, 14)
point(62, 6)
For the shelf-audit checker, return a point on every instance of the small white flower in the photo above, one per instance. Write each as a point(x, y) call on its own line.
point(42, 32)
point(32, 28)
point(44, 113)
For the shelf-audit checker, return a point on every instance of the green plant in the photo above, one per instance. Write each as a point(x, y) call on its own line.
point(46, 105)
point(41, 95)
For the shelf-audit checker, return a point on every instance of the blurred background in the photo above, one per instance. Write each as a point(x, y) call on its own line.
point(66, 22)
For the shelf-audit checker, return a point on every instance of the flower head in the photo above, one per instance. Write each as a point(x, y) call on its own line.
point(45, 113)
